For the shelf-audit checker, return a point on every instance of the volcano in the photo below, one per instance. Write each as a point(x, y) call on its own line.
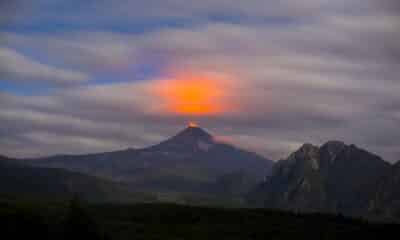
point(191, 161)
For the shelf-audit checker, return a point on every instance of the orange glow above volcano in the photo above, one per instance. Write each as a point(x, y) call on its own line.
point(193, 125)
point(193, 95)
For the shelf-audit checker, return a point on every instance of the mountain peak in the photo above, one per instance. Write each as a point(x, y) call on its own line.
point(194, 132)
point(189, 138)
point(334, 143)
point(307, 149)
point(193, 125)
point(333, 147)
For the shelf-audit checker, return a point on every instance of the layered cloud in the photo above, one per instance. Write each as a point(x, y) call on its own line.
point(274, 74)
point(18, 68)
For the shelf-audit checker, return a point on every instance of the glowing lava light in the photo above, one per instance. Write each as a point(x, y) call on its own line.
point(192, 95)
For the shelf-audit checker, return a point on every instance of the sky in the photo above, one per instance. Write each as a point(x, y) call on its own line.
point(93, 76)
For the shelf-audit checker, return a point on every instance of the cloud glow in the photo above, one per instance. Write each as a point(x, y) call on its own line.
point(267, 75)
point(193, 94)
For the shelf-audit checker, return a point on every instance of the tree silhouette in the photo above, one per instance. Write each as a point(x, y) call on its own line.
point(79, 225)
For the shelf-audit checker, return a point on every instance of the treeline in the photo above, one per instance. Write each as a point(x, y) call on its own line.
point(30, 221)
point(77, 220)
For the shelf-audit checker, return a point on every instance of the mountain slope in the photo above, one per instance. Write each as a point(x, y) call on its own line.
point(18, 180)
point(191, 161)
point(386, 200)
point(333, 178)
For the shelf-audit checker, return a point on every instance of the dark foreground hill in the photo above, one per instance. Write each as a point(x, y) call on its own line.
point(20, 181)
point(164, 222)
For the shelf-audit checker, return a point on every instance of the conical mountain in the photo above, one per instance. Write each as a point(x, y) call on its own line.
point(193, 133)
point(192, 138)
point(190, 161)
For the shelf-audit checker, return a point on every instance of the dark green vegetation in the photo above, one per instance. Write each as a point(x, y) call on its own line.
point(163, 221)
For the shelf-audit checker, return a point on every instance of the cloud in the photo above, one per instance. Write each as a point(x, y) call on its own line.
point(15, 67)
point(310, 71)
point(133, 11)
point(85, 51)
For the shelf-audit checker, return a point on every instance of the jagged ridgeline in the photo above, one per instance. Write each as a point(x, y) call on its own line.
point(334, 178)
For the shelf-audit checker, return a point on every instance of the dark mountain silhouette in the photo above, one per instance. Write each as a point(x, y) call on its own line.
point(386, 198)
point(334, 178)
point(191, 161)
point(18, 181)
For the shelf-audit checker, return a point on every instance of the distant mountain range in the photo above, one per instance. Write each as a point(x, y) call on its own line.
point(193, 167)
